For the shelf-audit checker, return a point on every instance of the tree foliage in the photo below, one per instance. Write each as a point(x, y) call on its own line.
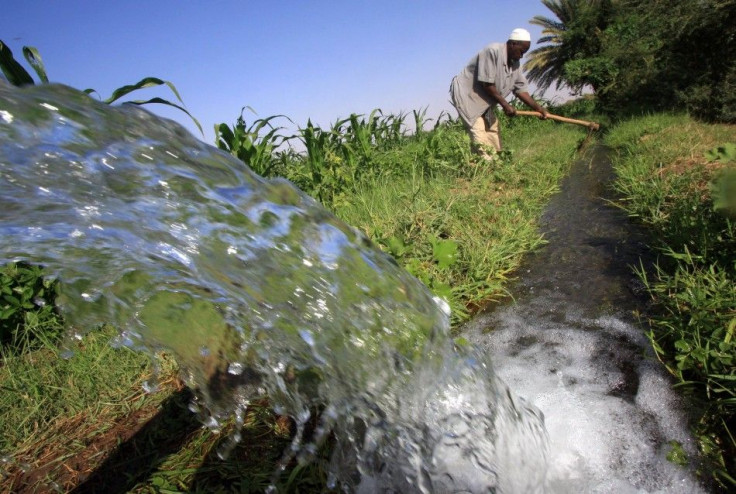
point(573, 44)
point(642, 54)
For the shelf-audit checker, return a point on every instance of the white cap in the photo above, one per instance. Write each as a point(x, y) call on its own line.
point(520, 34)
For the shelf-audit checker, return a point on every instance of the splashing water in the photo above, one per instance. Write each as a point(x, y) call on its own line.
point(255, 288)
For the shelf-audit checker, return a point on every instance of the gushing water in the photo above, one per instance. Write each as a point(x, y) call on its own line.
point(256, 289)
point(569, 345)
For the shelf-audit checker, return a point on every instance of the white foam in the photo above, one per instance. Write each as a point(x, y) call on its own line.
point(607, 434)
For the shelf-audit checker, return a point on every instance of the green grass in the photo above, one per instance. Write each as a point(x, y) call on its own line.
point(667, 175)
point(488, 210)
point(53, 406)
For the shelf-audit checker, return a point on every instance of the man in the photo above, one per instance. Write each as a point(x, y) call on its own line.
point(487, 80)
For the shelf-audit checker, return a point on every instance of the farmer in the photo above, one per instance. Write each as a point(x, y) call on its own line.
point(487, 80)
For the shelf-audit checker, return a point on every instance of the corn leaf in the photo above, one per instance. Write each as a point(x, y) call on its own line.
point(168, 103)
point(146, 82)
point(34, 59)
point(13, 71)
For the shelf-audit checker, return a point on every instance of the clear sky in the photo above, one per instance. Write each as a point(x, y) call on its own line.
point(304, 59)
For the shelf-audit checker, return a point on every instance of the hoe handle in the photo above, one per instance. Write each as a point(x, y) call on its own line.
point(591, 125)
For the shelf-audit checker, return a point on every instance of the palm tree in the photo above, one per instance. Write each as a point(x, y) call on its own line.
point(572, 36)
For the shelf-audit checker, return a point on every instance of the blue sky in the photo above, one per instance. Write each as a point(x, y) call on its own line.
point(304, 59)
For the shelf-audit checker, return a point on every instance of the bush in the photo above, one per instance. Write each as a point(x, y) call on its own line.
point(26, 304)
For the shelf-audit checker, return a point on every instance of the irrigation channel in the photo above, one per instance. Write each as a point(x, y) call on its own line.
point(570, 344)
point(255, 288)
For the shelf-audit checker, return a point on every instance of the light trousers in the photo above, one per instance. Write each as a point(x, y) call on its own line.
point(485, 136)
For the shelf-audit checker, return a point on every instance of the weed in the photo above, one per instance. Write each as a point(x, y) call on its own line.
point(26, 306)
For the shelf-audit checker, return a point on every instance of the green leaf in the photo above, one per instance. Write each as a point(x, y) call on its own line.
point(442, 290)
point(34, 59)
point(677, 454)
point(730, 331)
point(723, 190)
point(396, 246)
point(142, 84)
point(723, 153)
point(168, 103)
point(445, 253)
point(13, 71)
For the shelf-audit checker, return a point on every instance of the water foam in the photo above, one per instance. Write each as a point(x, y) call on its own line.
point(610, 412)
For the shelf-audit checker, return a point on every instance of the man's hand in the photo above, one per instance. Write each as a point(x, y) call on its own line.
point(509, 110)
point(529, 101)
point(493, 92)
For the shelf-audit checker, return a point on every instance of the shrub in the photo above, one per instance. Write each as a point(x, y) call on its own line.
point(26, 305)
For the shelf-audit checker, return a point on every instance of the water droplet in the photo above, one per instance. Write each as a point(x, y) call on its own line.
point(212, 424)
point(6, 116)
point(150, 387)
point(307, 336)
point(235, 368)
point(443, 305)
point(331, 481)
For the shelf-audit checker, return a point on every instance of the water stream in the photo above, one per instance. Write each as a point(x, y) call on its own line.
point(569, 342)
point(258, 289)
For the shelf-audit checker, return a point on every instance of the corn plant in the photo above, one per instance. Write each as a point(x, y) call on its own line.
point(18, 76)
point(248, 145)
point(420, 119)
point(393, 129)
point(360, 135)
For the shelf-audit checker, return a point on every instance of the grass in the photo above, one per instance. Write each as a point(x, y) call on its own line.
point(668, 178)
point(489, 211)
point(460, 225)
point(55, 407)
